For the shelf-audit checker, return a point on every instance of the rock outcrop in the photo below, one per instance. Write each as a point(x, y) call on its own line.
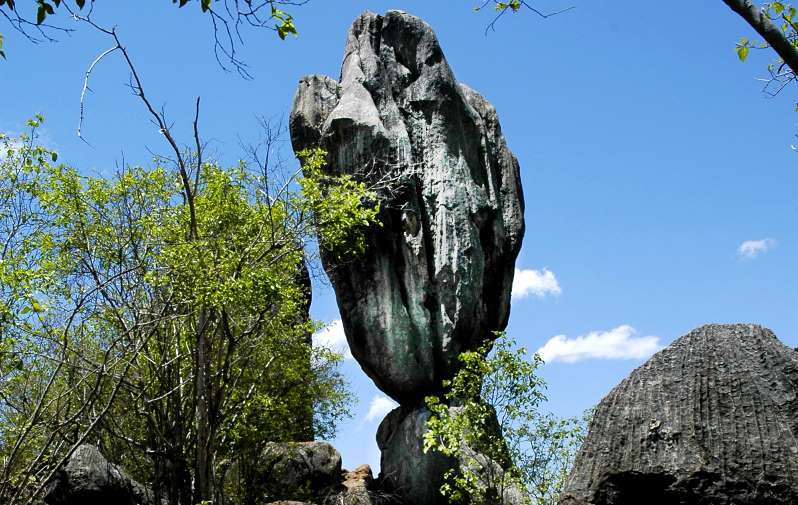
point(308, 471)
point(89, 479)
point(404, 467)
point(436, 276)
point(712, 419)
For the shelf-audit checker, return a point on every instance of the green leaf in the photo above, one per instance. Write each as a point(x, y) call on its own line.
point(206, 4)
point(742, 52)
point(54, 156)
point(41, 13)
point(778, 7)
point(80, 3)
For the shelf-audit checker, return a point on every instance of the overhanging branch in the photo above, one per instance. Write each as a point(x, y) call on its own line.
point(755, 17)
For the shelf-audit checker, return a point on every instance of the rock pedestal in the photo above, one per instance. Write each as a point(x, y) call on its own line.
point(436, 277)
point(712, 419)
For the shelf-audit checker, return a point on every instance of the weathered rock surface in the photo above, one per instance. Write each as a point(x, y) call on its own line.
point(712, 419)
point(436, 277)
point(299, 471)
point(404, 467)
point(89, 479)
point(417, 476)
point(358, 489)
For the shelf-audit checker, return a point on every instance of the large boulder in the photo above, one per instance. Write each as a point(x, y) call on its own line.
point(89, 479)
point(299, 471)
point(436, 277)
point(711, 419)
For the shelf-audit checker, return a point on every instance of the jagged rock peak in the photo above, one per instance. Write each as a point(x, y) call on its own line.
point(437, 275)
point(711, 419)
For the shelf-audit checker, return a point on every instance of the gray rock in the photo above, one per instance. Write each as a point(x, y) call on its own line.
point(358, 489)
point(436, 277)
point(417, 476)
point(299, 471)
point(404, 467)
point(89, 479)
point(712, 419)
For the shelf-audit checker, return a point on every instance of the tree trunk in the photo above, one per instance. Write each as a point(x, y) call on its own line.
point(204, 459)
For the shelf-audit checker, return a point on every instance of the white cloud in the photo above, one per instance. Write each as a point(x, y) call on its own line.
point(618, 343)
point(750, 249)
point(535, 282)
point(380, 406)
point(333, 337)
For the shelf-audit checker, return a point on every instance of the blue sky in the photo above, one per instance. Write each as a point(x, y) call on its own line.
point(661, 190)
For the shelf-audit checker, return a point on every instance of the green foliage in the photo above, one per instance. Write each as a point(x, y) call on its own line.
point(106, 298)
point(513, 5)
point(342, 206)
point(492, 406)
point(782, 15)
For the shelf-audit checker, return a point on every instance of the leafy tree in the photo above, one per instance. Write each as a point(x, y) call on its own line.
point(490, 420)
point(158, 314)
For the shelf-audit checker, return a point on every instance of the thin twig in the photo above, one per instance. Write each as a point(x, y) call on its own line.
point(86, 87)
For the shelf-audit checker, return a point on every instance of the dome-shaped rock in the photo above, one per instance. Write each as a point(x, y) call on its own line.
point(711, 419)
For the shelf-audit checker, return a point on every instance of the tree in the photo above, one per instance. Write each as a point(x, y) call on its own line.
point(777, 23)
point(227, 17)
point(490, 420)
point(156, 314)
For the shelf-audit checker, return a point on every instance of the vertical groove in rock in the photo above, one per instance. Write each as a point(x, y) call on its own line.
point(709, 420)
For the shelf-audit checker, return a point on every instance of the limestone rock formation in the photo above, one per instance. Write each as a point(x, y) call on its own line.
point(712, 419)
point(404, 467)
point(299, 471)
point(358, 487)
point(89, 479)
point(408, 471)
point(436, 276)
